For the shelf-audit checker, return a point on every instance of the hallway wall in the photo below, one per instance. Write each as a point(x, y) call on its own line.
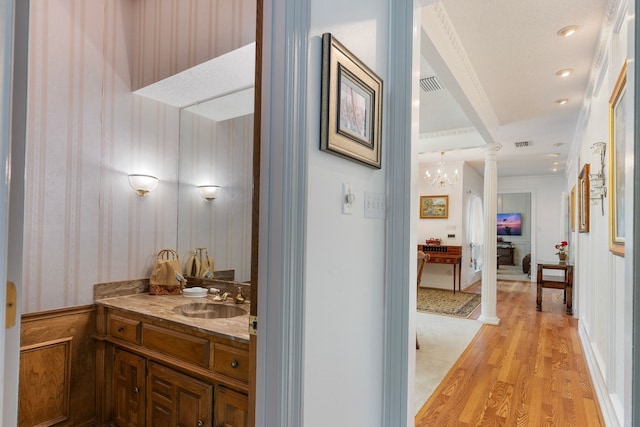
point(603, 279)
point(345, 254)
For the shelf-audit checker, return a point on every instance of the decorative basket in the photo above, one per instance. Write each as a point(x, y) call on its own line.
point(166, 277)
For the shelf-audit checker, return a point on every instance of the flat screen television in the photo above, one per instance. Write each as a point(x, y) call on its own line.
point(509, 224)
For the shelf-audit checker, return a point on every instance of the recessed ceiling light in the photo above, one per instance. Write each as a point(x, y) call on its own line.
point(564, 73)
point(562, 101)
point(568, 31)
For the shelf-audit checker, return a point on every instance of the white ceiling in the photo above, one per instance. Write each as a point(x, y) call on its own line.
point(497, 61)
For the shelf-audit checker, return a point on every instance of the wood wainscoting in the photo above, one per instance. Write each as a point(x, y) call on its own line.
point(58, 368)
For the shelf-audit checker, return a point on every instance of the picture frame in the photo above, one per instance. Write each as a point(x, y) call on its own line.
point(572, 208)
point(434, 206)
point(617, 129)
point(583, 199)
point(351, 117)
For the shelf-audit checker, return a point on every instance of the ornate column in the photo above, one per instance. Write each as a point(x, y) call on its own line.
point(489, 268)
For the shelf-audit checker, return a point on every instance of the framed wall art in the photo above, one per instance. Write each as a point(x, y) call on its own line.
point(434, 206)
point(583, 199)
point(351, 121)
point(617, 129)
point(572, 208)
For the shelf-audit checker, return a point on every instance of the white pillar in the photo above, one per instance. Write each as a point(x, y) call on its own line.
point(489, 289)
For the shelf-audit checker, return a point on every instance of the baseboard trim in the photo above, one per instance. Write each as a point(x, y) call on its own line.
point(607, 406)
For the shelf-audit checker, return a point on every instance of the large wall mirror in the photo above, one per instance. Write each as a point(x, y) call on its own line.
point(216, 148)
point(216, 102)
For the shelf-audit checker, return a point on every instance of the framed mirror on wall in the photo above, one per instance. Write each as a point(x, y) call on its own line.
point(216, 149)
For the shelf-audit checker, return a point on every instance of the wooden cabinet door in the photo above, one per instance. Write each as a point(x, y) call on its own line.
point(128, 389)
point(231, 408)
point(175, 399)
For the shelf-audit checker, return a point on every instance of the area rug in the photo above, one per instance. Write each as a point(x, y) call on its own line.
point(442, 341)
point(445, 302)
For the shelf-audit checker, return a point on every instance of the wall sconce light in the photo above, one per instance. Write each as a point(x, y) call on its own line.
point(597, 179)
point(209, 192)
point(143, 184)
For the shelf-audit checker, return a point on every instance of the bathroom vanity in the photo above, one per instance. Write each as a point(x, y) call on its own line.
point(170, 360)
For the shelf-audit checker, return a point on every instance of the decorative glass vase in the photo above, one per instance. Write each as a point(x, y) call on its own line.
point(563, 257)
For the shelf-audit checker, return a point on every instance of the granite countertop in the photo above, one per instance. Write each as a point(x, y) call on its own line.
point(164, 307)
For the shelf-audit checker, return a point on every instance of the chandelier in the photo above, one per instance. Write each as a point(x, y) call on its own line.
point(441, 178)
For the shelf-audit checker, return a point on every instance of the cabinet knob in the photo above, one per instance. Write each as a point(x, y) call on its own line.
point(136, 390)
point(120, 329)
point(234, 364)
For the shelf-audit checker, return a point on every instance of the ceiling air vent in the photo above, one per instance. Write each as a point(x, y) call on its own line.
point(430, 84)
point(523, 144)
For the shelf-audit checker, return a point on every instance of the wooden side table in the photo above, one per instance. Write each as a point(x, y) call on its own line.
point(451, 255)
point(505, 254)
point(565, 283)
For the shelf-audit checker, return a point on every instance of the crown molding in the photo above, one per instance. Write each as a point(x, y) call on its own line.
point(442, 33)
point(448, 132)
point(612, 19)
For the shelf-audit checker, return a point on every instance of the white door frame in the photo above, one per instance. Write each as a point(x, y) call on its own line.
point(13, 95)
point(279, 374)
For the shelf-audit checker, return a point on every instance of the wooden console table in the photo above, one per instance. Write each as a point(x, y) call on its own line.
point(445, 255)
point(565, 283)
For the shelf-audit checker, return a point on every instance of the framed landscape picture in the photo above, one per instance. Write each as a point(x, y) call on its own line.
point(583, 199)
point(434, 206)
point(351, 121)
point(572, 208)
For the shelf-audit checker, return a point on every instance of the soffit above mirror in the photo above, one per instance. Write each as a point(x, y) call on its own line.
point(226, 107)
point(231, 73)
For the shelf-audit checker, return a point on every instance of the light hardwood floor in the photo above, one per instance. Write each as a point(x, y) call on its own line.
point(527, 371)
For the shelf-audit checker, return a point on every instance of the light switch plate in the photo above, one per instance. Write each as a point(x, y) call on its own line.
point(348, 199)
point(375, 205)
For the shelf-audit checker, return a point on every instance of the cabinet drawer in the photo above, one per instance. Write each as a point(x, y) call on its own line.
point(231, 361)
point(123, 328)
point(182, 346)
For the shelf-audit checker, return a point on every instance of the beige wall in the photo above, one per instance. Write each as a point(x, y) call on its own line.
point(86, 131)
point(173, 35)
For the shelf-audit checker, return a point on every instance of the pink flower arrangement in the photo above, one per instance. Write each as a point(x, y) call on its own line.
point(562, 247)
